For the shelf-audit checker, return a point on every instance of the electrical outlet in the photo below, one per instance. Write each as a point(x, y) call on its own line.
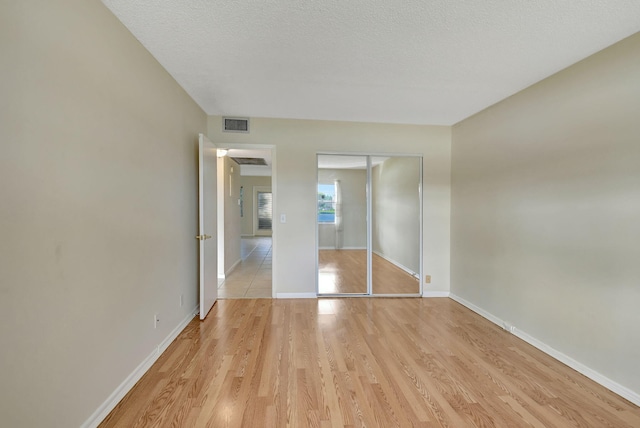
point(156, 320)
point(508, 327)
point(427, 279)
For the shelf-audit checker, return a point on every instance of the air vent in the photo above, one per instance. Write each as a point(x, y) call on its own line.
point(249, 161)
point(235, 124)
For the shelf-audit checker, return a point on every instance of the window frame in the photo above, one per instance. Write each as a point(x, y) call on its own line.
point(319, 201)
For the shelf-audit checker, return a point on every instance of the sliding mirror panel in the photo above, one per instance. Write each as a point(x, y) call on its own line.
point(342, 224)
point(396, 225)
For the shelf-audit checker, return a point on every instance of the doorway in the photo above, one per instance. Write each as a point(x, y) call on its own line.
point(245, 256)
point(369, 225)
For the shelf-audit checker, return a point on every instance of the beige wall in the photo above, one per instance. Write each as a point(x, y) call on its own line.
point(395, 200)
point(296, 145)
point(546, 209)
point(231, 189)
point(353, 185)
point(98, 184)
point(248, 183)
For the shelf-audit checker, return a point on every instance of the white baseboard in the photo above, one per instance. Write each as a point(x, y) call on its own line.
point(497, 321)
point(176, 331)
point(235, 265)
point(112, 401)
point(395, 263)
point(613, 386)
point(296, 296)
point(435, 294)
point(622, 391)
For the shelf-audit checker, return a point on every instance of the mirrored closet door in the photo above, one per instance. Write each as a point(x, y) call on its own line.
point(342, 224)
point(359, 257)
point(396, 213)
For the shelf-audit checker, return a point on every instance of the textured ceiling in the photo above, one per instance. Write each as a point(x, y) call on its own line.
point(398, 61)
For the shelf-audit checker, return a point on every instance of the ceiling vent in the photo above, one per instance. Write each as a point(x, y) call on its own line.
point(249, 161)
point(235, 124)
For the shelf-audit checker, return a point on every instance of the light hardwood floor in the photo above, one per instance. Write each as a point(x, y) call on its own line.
point(368, 362)
point(345, 272)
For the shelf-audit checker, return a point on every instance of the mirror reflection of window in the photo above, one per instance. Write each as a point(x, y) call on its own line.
point(342, 224)
point(326, 203)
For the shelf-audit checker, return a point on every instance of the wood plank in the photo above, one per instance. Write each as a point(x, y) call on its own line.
point(360, 363)
point(345, 272)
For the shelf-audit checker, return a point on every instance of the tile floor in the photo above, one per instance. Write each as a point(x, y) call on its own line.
point(252, 277)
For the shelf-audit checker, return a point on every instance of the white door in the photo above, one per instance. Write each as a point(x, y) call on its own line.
point(207, 194)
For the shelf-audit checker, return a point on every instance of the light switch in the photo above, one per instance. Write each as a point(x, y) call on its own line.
point(283, 218)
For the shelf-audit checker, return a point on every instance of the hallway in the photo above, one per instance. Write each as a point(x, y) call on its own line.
point(251, 279)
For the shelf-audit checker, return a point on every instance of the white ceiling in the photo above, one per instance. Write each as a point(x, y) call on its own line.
point(397, 61)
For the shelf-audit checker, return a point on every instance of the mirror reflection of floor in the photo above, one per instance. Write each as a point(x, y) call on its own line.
point(252, 277)
point(345, 272)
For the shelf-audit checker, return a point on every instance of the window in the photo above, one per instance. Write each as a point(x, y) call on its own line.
point(326, 203)
point(265, 204)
